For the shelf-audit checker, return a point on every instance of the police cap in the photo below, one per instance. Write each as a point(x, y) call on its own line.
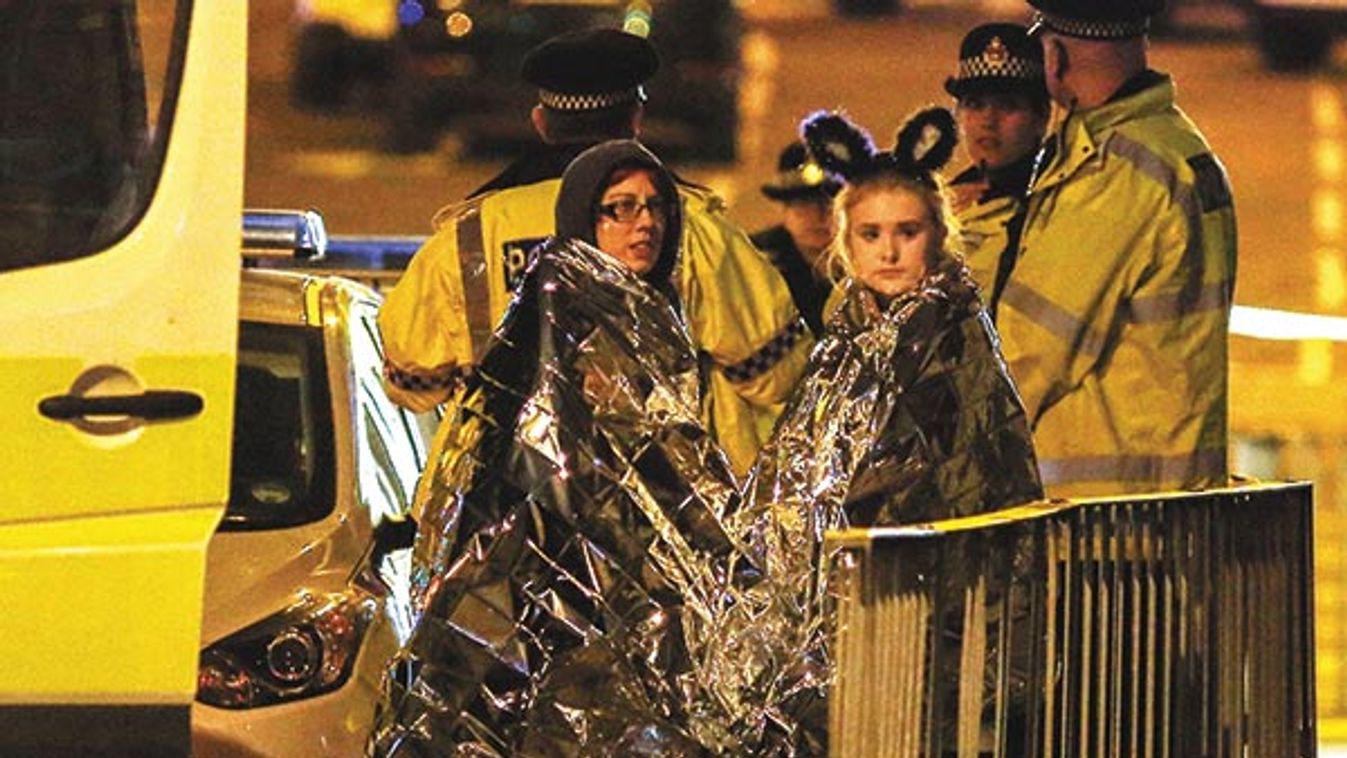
point(590, 69)
point(998, 58)
point(799, 177)
point(1095, 19)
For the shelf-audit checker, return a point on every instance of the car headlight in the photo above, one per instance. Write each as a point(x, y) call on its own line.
point(305, 650)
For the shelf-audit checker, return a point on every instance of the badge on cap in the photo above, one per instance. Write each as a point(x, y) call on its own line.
point(997, 57)
point(799, 176)
point(995, 53)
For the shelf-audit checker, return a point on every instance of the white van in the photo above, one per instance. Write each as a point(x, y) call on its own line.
point(121, 189)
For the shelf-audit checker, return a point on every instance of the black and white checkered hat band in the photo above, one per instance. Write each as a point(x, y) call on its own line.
point(562, 101)
point(1008, 68)
point(1086, 29)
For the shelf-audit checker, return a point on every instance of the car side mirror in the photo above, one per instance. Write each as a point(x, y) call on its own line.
point(392, 535)
point(389, 537)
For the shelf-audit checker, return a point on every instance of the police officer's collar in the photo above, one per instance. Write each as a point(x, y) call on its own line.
point(539, 163)
point(1007, 181)
point(1147, 92)
point(1076, 140)
point(1138, 82)
point(543, 161)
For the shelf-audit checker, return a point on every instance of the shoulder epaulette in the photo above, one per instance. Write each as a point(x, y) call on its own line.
point(456, 211)
point(704, 198)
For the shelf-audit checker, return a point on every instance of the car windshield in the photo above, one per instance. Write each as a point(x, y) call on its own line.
point(282, 471)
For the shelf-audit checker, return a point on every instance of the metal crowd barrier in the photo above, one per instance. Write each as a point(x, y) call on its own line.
point(1167, 626)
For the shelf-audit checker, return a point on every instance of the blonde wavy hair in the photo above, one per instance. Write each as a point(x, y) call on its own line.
point(837, 256)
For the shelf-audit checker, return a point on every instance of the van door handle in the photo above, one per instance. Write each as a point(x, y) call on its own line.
point(152, 405)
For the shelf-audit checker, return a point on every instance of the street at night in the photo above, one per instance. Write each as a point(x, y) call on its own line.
point(941, 460)
point(1281, 136)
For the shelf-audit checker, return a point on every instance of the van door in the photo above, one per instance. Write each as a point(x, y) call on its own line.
point(121, 186)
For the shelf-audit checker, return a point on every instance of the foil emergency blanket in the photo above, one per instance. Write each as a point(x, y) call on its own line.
point(907, 414)
point(592, 585)
point(582, 593)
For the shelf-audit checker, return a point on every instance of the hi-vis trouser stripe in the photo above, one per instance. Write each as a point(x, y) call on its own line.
point(1204, 464)
point(476, 288)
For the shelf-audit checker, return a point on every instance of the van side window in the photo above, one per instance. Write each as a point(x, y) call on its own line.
point(86, 90)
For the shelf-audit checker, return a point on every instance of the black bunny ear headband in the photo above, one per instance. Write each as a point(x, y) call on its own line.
point(845, 149)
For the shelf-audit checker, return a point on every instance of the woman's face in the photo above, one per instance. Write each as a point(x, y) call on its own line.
point(631, 219)
point(1000, 128)
point(891, 236)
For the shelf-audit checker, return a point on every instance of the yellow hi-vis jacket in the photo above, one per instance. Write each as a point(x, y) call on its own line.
point(983, 236)
point(740, 314)
point(1115, 318)
point(985, 220)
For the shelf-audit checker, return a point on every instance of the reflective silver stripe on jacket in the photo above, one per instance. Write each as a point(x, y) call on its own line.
point(476, 287)
point(1053, 318)
point(1206, 464)
point(1196, 296)
point(1142, 310)
point(1152, 165)
point(1148, 310)
point(768, 355)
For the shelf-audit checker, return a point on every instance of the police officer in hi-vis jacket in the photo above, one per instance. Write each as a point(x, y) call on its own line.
point(1002, 107)
point(1115, 313)
point(752, 341)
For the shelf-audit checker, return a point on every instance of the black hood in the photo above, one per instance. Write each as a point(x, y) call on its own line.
point(583, 183)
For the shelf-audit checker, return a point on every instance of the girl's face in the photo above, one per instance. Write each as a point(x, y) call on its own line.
point(630, 219)
point(891, 238)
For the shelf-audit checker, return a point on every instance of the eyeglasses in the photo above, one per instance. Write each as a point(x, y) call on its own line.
point(628, 209)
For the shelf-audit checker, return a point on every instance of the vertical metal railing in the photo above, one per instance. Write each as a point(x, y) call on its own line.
point(1170, 626)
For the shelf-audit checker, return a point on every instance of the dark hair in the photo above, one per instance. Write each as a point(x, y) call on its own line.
point(571, 127)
